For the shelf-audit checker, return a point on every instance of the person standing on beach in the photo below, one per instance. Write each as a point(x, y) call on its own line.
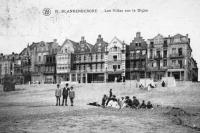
point(110, 96)
point(58, 95)
point(72, 96)
point(110, 93)
point(65, 94)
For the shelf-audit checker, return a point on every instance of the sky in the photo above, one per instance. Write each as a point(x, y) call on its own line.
point(23, 22)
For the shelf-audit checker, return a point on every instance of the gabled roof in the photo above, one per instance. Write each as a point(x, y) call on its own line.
point(178, 35)
point(75, 45)
point(116, 39)
point(158, 36)
point(99, 45)
point(138, 39)
point(85, 47)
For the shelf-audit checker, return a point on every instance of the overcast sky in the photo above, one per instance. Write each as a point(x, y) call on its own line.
point(22, 21)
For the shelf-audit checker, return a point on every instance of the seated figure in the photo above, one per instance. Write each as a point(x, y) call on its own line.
point(143, 105)
point(104, 99)
point(128, 102)
point(149, 105)
point(135, 103)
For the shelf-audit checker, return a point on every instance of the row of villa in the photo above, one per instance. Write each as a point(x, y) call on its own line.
point(48, 62)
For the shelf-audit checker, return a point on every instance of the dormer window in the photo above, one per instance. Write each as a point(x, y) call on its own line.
point(66, 50)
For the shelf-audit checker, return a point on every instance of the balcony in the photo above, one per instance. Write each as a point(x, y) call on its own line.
point(176, 56)
point(89, 70)
point(89, 61)
point(158, 57)
point(158, 68)
point(176, 66)
point(136, 69)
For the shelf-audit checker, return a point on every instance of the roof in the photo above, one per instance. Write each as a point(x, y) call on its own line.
point(99, 45)
point(138, 39)
point(85, 47)
point(75, 45)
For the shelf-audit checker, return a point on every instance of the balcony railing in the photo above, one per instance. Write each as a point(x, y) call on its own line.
point(157, 68)
point(89, 61)
point(157, 56)
point(90, 70)
point(177, 66)
point(176, 55)
point(136, 69)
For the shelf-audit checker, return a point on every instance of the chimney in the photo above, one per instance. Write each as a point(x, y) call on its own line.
point(82, 38)
point(187, 35)
point(54, 40)
point(138, 34)
point(99, 38)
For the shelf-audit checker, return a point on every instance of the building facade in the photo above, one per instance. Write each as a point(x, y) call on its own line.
point(115, 60)
point(47, 62)
point(136, 58)
point(11, 65)
point(64, 61)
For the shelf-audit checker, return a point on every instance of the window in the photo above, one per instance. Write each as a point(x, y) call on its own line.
point(39, 58)
point(151, 53)
point(173, 50)
point(151, 44)
point(180, 52)
point(173, 62)
point(114, 67)
point(114, 49)
point(165, 43)
point(180, 63)
point(115, 57)
point(79, 57)
point(165, 53)
point(101, 66)
point(118, 66)
point(101, 56)
point(165, 63)
point(158, 53)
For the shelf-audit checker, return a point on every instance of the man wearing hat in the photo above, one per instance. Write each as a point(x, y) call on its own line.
point(65, 95)
point(72, 95)
point(58, 95)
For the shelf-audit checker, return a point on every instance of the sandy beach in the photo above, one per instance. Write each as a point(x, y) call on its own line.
point(31, 108)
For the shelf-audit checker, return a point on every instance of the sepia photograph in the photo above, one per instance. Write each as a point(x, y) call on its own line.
point(99, 66)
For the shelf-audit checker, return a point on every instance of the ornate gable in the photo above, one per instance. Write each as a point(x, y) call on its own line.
point(159, 39)
point(115, 44)
point(99, 45)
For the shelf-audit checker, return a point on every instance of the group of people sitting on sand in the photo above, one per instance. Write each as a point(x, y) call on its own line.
point(124, 102)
